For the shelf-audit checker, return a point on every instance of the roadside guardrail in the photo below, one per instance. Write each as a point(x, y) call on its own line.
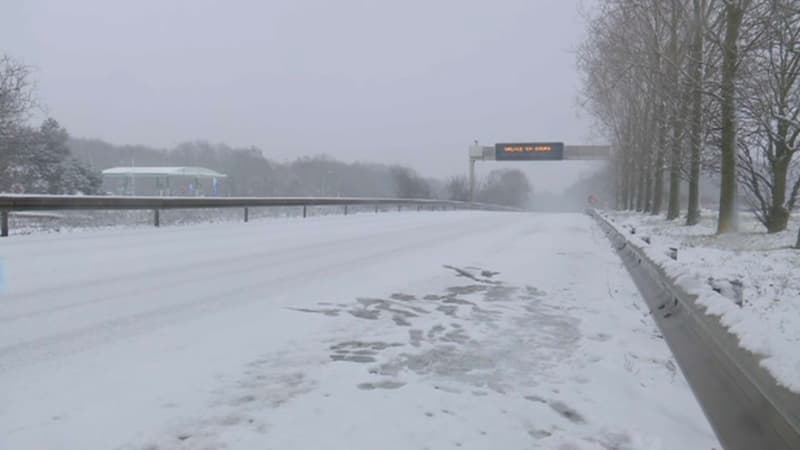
point(747, 408)
point(24, 202)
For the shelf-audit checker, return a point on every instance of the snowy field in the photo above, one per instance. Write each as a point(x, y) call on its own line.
point(749, 279)
point(469, 330)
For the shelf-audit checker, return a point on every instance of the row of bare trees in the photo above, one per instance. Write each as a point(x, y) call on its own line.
point(691, 88)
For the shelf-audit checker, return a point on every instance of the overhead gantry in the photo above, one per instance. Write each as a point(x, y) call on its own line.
point(531, 151)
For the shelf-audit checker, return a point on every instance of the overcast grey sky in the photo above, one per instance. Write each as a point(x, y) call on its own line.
point(406, 81)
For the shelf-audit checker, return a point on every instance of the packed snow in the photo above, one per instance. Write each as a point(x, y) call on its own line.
point(470, 330)
point(748, 279)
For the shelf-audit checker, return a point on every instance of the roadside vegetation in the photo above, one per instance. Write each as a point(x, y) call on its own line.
point(694, 89)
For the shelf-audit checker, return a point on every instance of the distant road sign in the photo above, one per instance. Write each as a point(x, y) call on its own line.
point(529, 151)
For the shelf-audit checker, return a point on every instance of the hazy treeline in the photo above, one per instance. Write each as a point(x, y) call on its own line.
point(508, 187)
point(575, 198)
point(250, 173)
point(47, 160)
point(685, 88)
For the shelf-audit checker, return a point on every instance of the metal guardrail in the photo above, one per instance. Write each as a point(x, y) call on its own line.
point(10, 203)
point(747, 408)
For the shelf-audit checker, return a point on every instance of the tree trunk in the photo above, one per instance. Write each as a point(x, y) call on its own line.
point(629, 186)
point(658, 183)
point(693, 213)
point(620, 194)
point(632, 188)
point(730, 56)
point(640, 183)
point(696, 119)
point(674, 205)
point(778, 217)
point(797, 245)
point(648, 187)
point(622, 203)
point(676, 118)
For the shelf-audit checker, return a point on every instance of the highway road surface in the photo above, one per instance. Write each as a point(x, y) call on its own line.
point(432, 330)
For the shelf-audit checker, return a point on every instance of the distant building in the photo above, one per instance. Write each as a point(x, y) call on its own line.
point(164, 181)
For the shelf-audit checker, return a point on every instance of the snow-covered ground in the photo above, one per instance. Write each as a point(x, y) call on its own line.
point(750, 280)
point(393, 331)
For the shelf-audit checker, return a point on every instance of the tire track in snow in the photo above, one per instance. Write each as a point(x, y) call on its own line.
point(148, 281)
point(87, 337)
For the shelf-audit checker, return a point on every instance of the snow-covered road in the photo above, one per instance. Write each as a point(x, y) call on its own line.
point(394, 331)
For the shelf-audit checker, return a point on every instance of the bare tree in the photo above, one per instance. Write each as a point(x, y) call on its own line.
point(16, 104)
point(408, 184)
point(770, 105)
point(721, 77)
point(631, 66)
point(678, 101)
point(506, 187)
point(734, 11)
point(457, 188)
point(695, 79)
point(16, 95)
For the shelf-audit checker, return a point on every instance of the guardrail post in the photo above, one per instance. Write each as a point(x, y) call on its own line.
point(4, 225)
point(399, 208)
point(246, 214)
point(156, 218)
point(376, 209)
point(345, 210)
point(304, 211)
point(419, 207)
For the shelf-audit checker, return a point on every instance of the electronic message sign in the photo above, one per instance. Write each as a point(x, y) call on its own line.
point(529, 151)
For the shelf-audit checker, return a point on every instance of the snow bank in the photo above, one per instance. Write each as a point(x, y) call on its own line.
point(749, 280)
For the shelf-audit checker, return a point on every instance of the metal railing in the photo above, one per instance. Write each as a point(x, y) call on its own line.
point(747, 408)
point(9, 203)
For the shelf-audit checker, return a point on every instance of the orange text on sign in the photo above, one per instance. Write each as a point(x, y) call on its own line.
point(527, 148)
